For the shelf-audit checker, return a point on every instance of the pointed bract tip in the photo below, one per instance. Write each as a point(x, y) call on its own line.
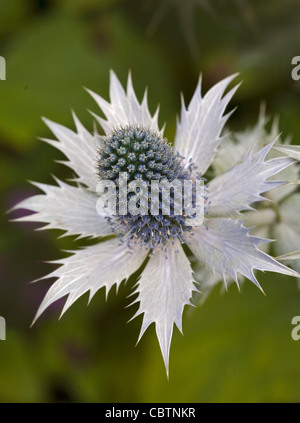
point(47, 121)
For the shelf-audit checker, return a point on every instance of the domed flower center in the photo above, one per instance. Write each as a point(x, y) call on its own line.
point(154, 190)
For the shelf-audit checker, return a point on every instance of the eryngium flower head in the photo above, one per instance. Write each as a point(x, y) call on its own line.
point(277, 217)
point(134, 143)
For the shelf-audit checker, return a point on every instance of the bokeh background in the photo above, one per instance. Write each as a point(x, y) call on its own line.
point(237, 347)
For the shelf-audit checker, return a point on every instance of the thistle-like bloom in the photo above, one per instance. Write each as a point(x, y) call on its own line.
point(133, 144)
point(276, 217)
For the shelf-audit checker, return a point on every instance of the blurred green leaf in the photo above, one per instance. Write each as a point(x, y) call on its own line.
point(54, 59)
point(12, 16)
point(236, 348)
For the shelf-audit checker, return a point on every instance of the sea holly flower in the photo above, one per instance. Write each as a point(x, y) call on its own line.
point(133, 145)
point(277, 216)
point(274, 218)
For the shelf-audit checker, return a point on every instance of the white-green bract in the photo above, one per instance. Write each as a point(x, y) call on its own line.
point(223, 244)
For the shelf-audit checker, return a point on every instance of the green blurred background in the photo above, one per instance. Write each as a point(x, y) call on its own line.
point(237, 347)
